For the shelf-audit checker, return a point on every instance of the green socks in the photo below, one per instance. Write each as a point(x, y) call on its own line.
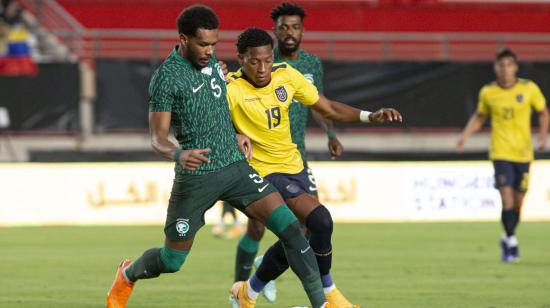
point(154, 262)
point(246, 252)
point(299, 254)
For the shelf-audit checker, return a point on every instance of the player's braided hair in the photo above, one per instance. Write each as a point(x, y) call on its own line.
point(253, 37)
point(287, 9)
point(506, 53)
point(195, 17)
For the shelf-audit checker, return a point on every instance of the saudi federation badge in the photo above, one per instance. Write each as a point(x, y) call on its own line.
point(281, 94)
point(182, 226)
point(207, 70)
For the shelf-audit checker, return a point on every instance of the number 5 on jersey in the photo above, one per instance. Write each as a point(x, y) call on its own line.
point(216, 89)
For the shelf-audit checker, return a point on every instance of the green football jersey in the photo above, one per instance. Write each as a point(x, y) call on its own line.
point(200, 112)
point(310, 66)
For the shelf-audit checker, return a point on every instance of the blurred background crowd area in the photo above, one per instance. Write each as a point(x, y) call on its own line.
point(74, 73)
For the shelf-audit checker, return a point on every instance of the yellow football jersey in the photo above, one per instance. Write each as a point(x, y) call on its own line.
point(510, 112)
point(262, 115)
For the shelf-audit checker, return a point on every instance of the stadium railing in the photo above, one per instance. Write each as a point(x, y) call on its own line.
point(88, 44)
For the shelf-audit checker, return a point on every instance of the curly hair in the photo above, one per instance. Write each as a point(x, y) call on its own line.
point(195, 17)
point(287, 9)
point(253, 37)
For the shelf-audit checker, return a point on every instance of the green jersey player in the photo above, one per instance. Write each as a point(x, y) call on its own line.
point(188, 95)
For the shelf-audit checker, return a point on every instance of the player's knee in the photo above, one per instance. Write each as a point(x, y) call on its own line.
point(507, 203)
point(173, 259)
point(283, 221)
point(319, 220)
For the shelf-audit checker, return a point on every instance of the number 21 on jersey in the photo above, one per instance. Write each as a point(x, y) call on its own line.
point(508, 113)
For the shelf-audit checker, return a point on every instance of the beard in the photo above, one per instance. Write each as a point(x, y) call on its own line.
point(194, 58)
point(283, 48)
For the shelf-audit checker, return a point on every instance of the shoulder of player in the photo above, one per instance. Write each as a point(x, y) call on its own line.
point(235, 80)
point(308, 55)
point(284, 72)
point(527, 83)
point(490, 86)
point(170, 67)
point(310, 58)
point(162, 74)
point(280, 66)
point(234, 77)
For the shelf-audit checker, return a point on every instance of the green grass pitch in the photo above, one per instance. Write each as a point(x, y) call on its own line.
point(440, 265)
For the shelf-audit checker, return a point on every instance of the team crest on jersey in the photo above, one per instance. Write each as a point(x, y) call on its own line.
point(281, 94)
point(519, 98)
point(207, 70)
point(182, 226)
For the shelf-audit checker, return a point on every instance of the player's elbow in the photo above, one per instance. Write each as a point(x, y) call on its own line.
point(479, 118)
point(545, 113)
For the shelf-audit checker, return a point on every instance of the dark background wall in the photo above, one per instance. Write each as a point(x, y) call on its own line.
point(429, 95)
point(46, 102)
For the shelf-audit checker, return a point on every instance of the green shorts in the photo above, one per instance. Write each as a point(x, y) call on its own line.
point(192, 195)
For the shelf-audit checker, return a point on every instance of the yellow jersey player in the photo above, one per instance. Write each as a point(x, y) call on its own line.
point(259, 97)
point(288, 29)
point(509, 101)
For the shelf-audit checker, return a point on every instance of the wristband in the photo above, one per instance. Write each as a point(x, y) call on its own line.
point(176, 155)
point(364, 116)
point(331, 133)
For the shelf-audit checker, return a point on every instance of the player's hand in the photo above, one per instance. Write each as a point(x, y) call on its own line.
point(335, 148)
point(225, 71)
point(460, 145)
point(385, 115)
point(245, 145)
point(223, 66)
point(542, 143)
point(192, 159)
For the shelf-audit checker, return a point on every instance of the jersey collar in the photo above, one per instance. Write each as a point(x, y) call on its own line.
point(279, 57)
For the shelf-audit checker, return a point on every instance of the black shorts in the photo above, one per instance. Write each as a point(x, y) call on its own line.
point(290, 185)
point(512, 174)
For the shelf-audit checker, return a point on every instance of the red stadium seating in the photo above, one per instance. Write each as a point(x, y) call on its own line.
point(364, 16)
point(336, 30)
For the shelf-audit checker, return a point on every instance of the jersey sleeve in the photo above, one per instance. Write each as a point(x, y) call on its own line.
point(482, 105)
point(538, 102)
point(161, 95)
point(306, 93)
point(318, 79)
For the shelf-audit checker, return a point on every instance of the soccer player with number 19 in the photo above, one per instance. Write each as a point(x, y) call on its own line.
point(259, 96)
